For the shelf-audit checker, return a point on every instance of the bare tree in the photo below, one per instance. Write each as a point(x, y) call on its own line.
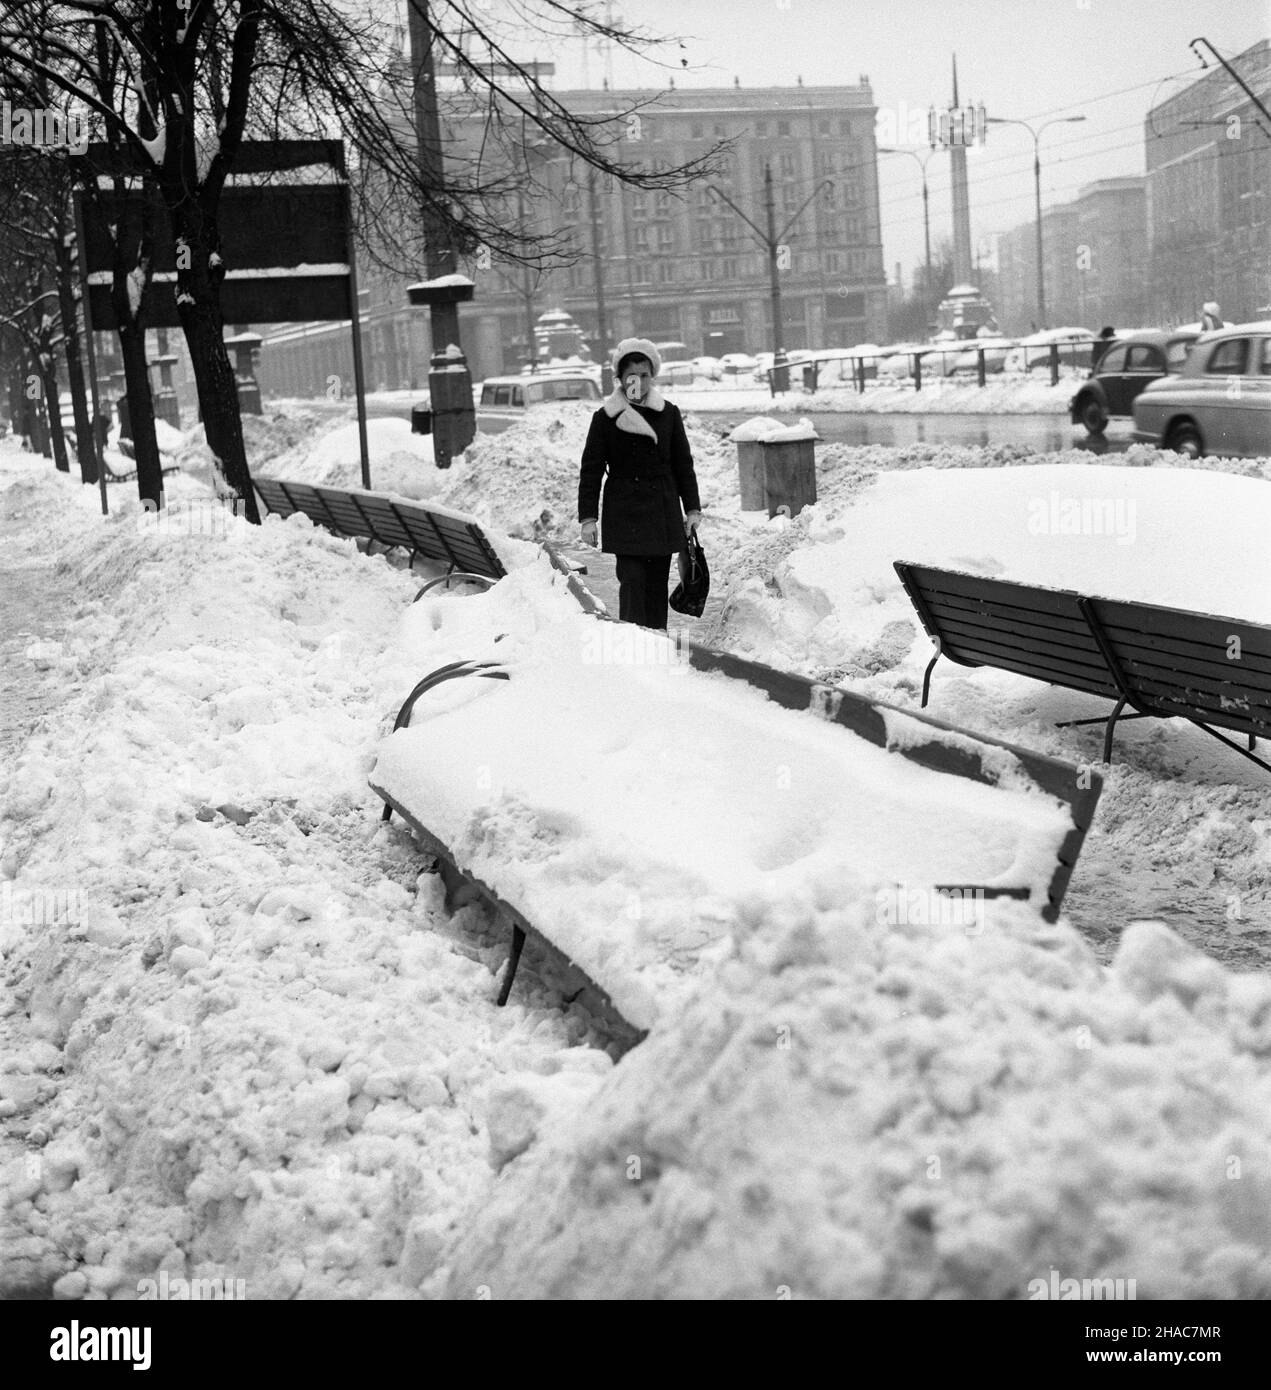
point(193, 79)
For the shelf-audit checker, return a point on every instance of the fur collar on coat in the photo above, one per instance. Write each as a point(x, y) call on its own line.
point(618, 408)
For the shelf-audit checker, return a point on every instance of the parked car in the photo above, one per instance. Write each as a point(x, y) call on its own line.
point(835, 368)
point(1076, 347)
point(502, 400)
point(967, 362)
point(711, 368)
point(738, 364)
point(1219, 403)
point(1129, 364)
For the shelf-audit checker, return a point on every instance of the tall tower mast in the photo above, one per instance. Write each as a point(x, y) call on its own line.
point(961, 201)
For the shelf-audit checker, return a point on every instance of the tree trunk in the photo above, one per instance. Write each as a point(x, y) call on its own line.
point(199, 277)
point(69, 306)
point(47, 366)
point(132, 344)
point(35, 427)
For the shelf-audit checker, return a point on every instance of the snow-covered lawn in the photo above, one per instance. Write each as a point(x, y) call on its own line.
point(242, 1036)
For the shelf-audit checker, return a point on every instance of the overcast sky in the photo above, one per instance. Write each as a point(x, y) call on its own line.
point(1022, 58)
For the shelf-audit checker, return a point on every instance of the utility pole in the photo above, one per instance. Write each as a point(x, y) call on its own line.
point(602, 325)
point(449, 381)
point(779, 377)
point(771, 241)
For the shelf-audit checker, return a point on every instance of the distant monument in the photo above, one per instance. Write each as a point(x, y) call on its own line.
point(964, 311)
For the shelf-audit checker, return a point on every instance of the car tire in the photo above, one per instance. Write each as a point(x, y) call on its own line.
point(1184, 438)
point(1094, 418)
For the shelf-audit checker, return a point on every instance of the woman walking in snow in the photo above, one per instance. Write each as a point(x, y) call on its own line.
point(638, 447)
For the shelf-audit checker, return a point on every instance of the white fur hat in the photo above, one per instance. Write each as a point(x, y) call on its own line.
point(643, 347)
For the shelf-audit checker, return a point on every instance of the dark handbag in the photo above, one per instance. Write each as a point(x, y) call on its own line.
point(689, 595)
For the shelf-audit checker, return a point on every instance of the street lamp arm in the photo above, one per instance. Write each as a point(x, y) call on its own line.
point(825, 183)
point(724, 198)
point(1235, 77)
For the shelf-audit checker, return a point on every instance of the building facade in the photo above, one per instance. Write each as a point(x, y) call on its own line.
point(1208, 160)
point(675, 266)
point(1094, 259)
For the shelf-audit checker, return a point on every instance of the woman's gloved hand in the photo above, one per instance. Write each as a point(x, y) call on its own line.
point(591, 533)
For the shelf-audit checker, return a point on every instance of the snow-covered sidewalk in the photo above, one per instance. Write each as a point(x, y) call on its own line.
point(242, 1038)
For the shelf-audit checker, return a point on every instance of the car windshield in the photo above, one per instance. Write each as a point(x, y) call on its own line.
point(578, 390)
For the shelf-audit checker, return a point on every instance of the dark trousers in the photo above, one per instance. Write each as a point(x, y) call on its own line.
point(642, 591)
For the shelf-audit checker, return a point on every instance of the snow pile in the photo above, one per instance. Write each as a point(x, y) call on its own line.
point(241, 1035)
point(639, 824)
point(764, 429)
point(851, 1111)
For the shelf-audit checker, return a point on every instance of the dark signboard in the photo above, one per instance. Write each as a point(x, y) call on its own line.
point(285, 244)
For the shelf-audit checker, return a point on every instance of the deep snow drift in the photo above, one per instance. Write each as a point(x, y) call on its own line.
point(242, 1036)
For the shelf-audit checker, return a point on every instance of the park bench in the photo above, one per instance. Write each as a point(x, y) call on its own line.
point(1164, 663)
point(437, 534)
point(929, 742)
point(113, 477)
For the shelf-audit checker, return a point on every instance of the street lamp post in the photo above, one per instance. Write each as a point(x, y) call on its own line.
point(1037, 193)
point(771, 241)
point(926, 218)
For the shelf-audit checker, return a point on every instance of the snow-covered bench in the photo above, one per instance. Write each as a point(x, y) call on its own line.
point(1165, 663)
point(437, 533)
point(1016, 834)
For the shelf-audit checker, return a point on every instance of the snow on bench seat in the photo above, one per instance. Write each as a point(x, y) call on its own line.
point(631, 808)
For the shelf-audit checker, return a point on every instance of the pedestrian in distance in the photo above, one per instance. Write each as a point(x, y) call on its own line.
point(1101, 344)
point(1210, 317)
point(638, 448)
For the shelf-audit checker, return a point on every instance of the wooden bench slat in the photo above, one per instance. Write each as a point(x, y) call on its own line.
point(1172, 623)
point(1059, 602)
point(1072, 647)
point(1036, 665)
point(1160, 665)
point(1045, 624)
point(1155, 645)
point(388, 529)
point(1183, 701)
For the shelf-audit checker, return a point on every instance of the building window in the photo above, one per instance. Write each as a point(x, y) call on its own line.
point(761, 129)
point(641, 238)
point(699, 130)
point(707, 270)
point(787, 166)
point(719, 130)
point(833, 263)
point(789, 198)
point(783, 127)
point(666, 272)
point(845, 127)
point(641, 274)
point(830, 196)
point(662, 203)
point(731, 269)
point(639, 204)
point(666, 238)
point(823, 127)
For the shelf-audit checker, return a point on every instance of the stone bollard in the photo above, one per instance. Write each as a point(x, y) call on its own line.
point(246, 345)
point(776, 465)
point(166, 405)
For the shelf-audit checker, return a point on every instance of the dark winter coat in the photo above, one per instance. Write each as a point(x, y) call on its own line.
point(642, 454)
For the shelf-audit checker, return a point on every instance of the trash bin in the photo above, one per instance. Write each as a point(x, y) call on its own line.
point(776, 465)
point(420, 419)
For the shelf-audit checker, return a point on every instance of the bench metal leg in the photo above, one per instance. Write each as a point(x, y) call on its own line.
point(518, 944)
point(926, 675)
point(1222, 738)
